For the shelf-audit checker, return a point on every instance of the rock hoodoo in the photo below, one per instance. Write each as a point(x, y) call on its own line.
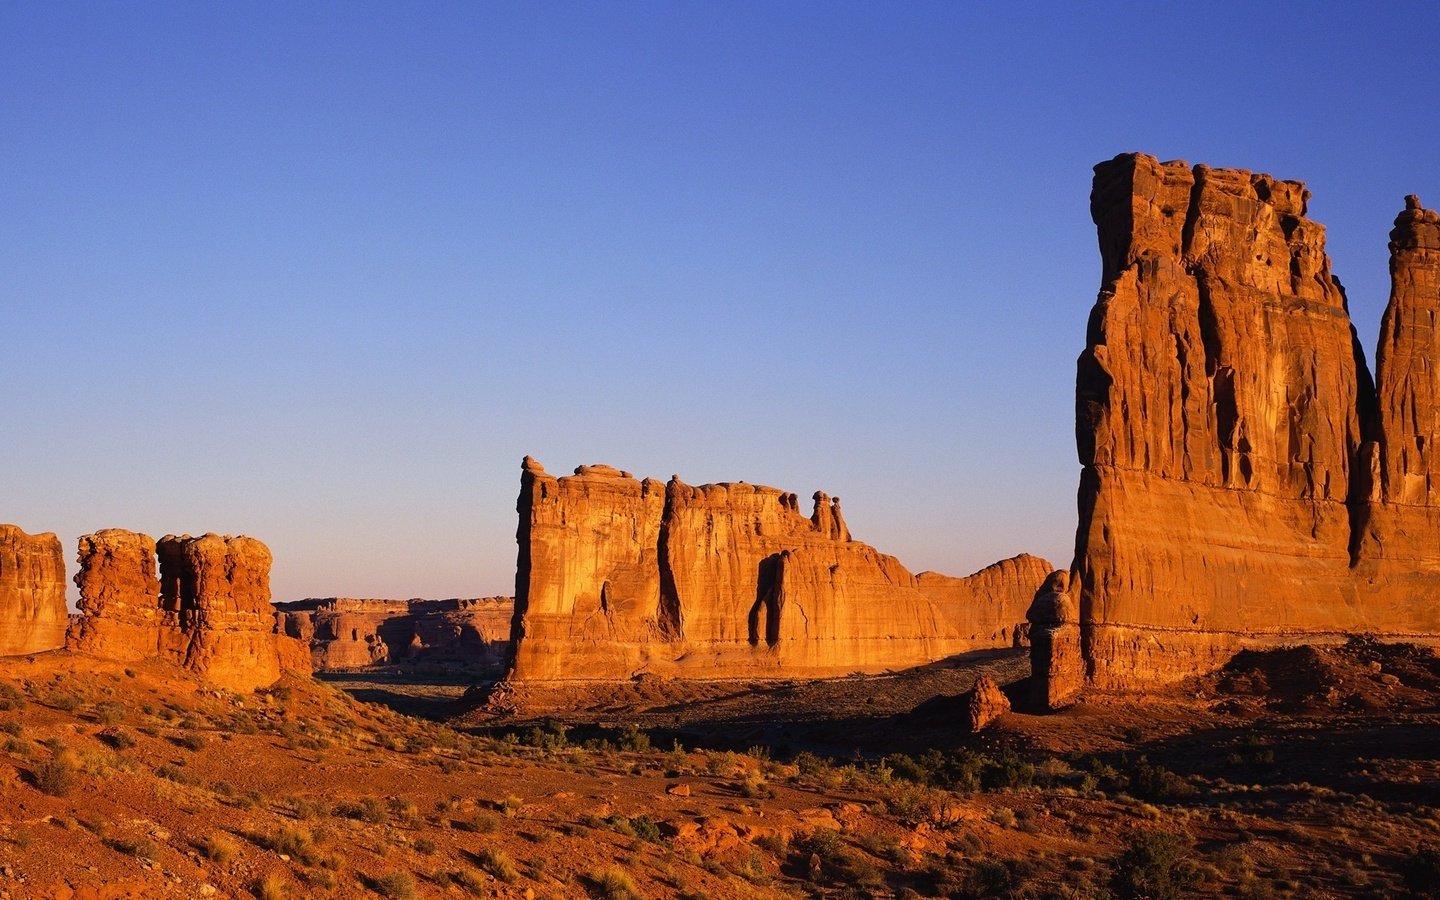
point(985, 704)
point(1245, 481)
point(619, 576)
point(346, 633)
point(208, 610)
point(32, 592)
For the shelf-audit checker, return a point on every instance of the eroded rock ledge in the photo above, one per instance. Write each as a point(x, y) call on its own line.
point(1246, 483)
point(619, 576)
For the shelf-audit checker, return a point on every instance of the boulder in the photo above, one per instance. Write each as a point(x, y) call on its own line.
point(33, 616)
point(986, 704)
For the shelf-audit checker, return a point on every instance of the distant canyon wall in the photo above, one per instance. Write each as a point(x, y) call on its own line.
point(347, 633)
point(619, 576)
point(1246, 482)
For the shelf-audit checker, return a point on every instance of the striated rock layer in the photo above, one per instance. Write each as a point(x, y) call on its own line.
point(346, 633)
point(208, 608)
point(32, 592)
point(1245, 482)
point(618, 576)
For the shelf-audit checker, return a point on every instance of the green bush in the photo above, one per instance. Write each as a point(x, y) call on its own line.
point(1153, 867)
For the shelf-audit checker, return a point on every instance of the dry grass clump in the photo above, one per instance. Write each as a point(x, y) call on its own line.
point(218, 848)
point(499, 864)
point(614, 883)
point(58, 775)
point(394, 885)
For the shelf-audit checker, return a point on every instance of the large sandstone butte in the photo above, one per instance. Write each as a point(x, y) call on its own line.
point(619, 576)
point(32, 592)
point(208, 609)
point(1245, 482)
point(348, 633)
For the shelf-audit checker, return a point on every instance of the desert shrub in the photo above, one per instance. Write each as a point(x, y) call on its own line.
point(645, 828)
point(511, 806)
point(367, 810)
point(296, 843)
point(57, 776)
point(189, 741)
point(10, 696)
point(140, 847)
point(177, 775)
point(117, 737)
point(424, 846)
point(483, 823)
point(498, 863)
point(470, 879)
point(1153, 867)
point(614, 883)
point(273, 886)
point(109, 712)
point(218, 848)
point(633, 739)
point(1422, 873)
point(550, 736)
point(66, 702)
point(394, 885)
point(986, 878)
point(1134, 735)
point(1159, 784)
point(12, 728)
point(405, 810)
point(1003, 816)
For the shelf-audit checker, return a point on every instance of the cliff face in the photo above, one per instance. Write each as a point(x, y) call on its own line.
point(346, 633)
point(208, 610)
point(619, 576)
point(32, 592)
point(1228, 428)
point(989, 606)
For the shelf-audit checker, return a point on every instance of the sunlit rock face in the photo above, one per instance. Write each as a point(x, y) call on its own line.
point(1245, 481)
point(206, 607)
point(619, 576)
point(32, 592)
point(348, 633)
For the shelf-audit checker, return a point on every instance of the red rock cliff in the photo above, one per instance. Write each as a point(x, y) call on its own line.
point(1227, 425)
point(208, 610)
point(346, 633)
point(619, 576)
point(32, 592)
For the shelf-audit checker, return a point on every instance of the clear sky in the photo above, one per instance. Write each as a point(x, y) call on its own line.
point(323, 273)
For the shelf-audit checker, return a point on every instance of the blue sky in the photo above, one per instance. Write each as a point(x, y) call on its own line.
point(323, 273)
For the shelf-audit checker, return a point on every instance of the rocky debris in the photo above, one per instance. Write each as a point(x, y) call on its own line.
point(208, 610)
point(618, 576)
point(1245, 482)
point(986, 704)
point(347, 633)
point(32, 592)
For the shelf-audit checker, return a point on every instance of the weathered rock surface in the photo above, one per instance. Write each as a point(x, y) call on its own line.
point(32, 592)
point(347, 633)
point(208, 610)
point(987, 703)
point(120, 615)
point(1057, 667)
point(1240, 487)
point(990, 605)
point(619, 576)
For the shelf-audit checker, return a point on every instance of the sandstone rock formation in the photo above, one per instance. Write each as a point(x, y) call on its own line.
point(1245, 482)
point(346, 633)
point(1056, 665)
point(989, 607)
point(987, 703)
point(208, 610)
point(32, 592)
point(618, 576)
